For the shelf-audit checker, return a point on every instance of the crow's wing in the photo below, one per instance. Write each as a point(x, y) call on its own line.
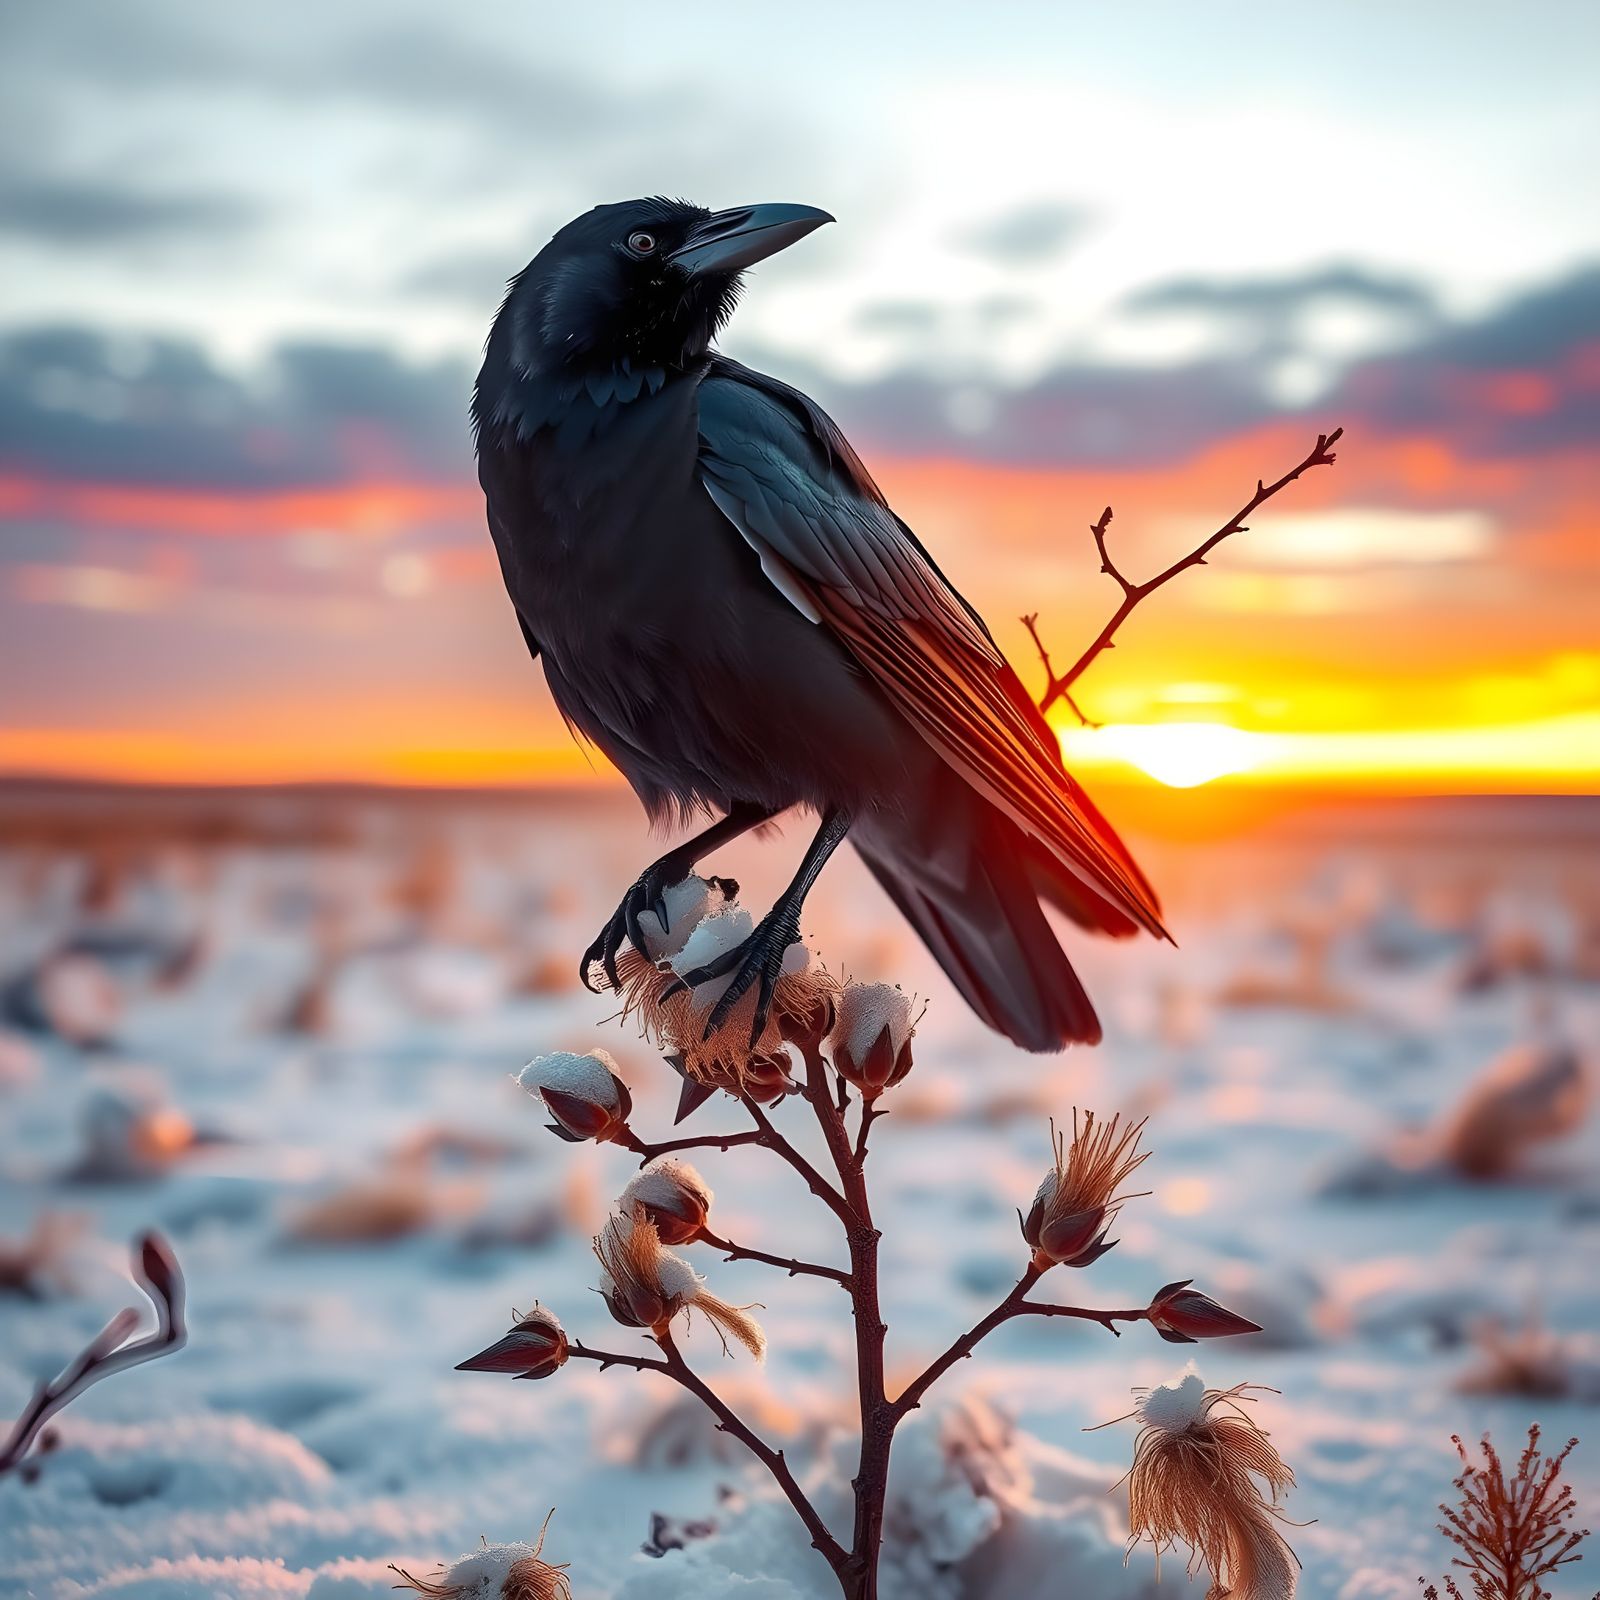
point(786, 477)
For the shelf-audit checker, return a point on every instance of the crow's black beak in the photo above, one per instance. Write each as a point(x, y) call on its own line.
point(730, 241)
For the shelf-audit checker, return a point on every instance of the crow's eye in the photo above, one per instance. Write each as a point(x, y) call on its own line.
point(642, 243)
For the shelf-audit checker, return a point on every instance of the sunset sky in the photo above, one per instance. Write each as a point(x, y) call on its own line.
point(1084, 255)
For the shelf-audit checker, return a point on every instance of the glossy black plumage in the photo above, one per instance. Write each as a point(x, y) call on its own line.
point(725, 604)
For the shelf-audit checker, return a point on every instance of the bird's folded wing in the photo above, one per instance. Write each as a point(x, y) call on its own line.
point(787, 479)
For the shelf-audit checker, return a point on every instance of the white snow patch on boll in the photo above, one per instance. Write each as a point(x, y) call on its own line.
point(663, 1182)
point(688, 904)
point(866, 1009)
point(586, 1077)
point(714, 936)
point(481, 1575)
point(1175, 1407)
point(679, 1281)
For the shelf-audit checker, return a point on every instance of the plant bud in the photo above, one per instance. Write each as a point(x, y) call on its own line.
point(1182, 1315)
point(872, 1034)
point(583, 1093)
point(535, 1347)
point(1073, 1240)
point(765, 1078)
point(673, 1196)
point(1079, 1197)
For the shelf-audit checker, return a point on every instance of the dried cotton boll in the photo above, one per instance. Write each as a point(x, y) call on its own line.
point(672, 1195)
point(714, 936)
point(1079, 1199)
point(688, 904)
point(872, 1034)
point(496, 1572)
point(674, 1017)
point(1205, 1476)
point(583, 1093)
point(646, 1286)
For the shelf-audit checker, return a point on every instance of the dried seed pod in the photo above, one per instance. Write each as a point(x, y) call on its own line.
point(535, 1347)
point(646, 1286)
point(1182, 1315)
point(1078, 1199)
point(582, 1093)
point(1206, 1476)
point(872, 1035)
point(672, 1195)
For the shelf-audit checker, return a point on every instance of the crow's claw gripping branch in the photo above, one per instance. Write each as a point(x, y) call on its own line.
point(758, 961)
point(647, 892)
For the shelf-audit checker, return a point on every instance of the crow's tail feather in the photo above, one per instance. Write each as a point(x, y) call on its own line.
point(969, 881)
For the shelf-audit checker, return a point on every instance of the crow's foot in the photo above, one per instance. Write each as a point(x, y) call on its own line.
point(647, 892)
point(759, 961)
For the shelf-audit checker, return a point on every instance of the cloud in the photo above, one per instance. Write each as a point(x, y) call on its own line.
point(1285, 296)
point(99, 211)
point(899, 317)
point(76, 404)
point(1029, 235)
point(81, 405)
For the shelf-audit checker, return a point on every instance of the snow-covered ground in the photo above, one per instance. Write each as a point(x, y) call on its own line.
point(291, 1049)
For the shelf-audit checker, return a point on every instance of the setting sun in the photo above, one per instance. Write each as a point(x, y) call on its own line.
point(1182, 755)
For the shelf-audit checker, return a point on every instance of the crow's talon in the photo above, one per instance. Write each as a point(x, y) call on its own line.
point(758, 960)
point(647, 892)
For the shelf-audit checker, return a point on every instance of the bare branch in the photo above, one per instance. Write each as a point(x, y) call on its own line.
point(1059, 687)
point(730, 1422)
point(819, 1186)
point(1015, 1304)
point(739, 1252)
point(158, 1273)
point(646, 1152)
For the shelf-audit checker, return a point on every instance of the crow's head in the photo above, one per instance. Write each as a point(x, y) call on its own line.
point(645, 283)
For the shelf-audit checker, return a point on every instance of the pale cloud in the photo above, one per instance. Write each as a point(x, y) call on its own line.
point(1363, 537)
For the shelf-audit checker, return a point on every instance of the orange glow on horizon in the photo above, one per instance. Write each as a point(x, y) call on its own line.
point(1448, 649)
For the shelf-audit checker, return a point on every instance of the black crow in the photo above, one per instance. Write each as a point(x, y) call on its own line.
point(726, 605)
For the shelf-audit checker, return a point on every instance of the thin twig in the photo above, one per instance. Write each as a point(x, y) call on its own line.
point(1015, 1304)
point(730, 1422)
point(647, 1152)
point(819, 1186)
point(870, 1112)
point(739, 1252)
point(1059, 687)
point(158, 1273)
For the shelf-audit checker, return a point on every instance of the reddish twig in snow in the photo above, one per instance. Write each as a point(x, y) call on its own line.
point(157, 1270)
point(1059, 686)
point(1515, 1531)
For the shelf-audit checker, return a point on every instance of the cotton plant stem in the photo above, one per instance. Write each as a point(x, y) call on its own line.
point(739, 1252)
point(871, 1482)
point(1015, 1304)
